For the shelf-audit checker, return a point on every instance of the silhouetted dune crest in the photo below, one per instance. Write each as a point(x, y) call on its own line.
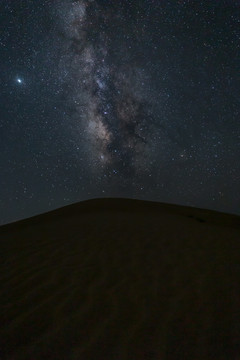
point(121, 279)
point(131, 205)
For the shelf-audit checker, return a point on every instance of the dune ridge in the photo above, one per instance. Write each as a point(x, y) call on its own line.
point(121, 279)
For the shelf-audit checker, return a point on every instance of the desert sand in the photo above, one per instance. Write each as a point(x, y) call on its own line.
point(118, 279)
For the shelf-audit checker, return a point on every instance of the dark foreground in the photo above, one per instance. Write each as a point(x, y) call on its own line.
point(119, 279)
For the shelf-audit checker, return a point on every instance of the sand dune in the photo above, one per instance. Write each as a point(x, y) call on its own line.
point(119, 279)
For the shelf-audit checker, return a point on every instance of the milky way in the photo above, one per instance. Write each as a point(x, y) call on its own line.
point(108, 105)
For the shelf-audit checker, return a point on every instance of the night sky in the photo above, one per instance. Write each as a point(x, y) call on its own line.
point(119, 98)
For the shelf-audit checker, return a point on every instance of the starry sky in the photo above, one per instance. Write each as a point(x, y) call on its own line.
point(126, 98)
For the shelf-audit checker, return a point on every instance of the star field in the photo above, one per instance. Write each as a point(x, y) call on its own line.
point(120, 98)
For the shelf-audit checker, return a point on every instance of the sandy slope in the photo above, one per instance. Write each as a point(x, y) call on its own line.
point(121, 279)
